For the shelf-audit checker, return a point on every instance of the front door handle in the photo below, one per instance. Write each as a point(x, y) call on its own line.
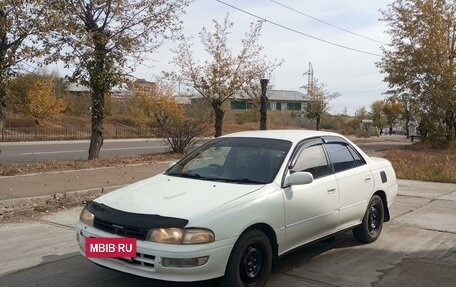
point(331, 190)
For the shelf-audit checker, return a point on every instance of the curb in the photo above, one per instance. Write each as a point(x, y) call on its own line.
point(43, 202)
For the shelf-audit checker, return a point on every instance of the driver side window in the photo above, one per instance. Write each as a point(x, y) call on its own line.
point(312, 159)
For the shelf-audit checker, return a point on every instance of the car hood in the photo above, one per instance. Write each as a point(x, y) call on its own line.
point(175, 197)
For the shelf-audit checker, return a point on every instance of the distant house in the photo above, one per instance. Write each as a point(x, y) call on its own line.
point(143, 86)
point(183, 99)
point(77, 89)
point(278, 100)
point(140, 85)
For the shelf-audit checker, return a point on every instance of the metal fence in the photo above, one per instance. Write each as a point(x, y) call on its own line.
point(61, 134)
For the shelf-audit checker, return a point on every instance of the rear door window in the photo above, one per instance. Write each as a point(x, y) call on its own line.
point(341, 158)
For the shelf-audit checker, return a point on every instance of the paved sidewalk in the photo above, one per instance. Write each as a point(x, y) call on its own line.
point(38, 184)
point(43, 191)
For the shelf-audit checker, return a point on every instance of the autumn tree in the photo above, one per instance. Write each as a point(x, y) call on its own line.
point(38, 96)
point(392, 111)
point(409, 108)
point(225, 74)
point(318, 105)
point(21, 28)
point(171, 123)
point(41, 101)
point(419, 63)
point(378, 116)
point(104, 40)
point(361, 113)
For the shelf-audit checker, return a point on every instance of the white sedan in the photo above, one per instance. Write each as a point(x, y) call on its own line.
point(233, 206)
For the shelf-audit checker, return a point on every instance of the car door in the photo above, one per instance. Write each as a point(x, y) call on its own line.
point(354, 180)
point(310, 209)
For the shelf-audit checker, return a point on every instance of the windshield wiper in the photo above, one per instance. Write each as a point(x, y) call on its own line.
point(187, 175)
point(241, 180)
point(224, 179)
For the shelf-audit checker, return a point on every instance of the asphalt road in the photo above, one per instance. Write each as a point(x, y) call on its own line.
point(76, 150)
point(417, 248)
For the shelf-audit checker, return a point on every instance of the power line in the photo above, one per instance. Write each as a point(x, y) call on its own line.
point(327, 23)
point(298, 32)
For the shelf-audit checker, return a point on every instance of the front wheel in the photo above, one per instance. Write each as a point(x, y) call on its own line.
point(372, 224)
point(250, 261)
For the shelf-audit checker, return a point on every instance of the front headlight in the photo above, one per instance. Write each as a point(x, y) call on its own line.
point(180, 235)
point(87, 217)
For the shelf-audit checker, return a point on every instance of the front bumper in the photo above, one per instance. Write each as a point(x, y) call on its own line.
point(148, 260)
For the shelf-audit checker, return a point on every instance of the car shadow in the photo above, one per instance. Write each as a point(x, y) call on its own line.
point(75, 270)
point(304, 254)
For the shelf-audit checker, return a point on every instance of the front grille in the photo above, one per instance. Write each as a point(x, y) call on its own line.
point(141, 259)
point(126, 231)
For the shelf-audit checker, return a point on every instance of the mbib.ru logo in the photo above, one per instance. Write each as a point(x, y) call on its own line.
point(110, 247)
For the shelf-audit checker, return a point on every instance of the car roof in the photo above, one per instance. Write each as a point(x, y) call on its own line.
point(290, 135)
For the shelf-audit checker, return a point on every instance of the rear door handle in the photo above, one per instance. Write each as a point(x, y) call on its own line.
point(367, 179)
point(331, 190)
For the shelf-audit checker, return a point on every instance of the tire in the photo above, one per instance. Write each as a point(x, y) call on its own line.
point(250, 261)
point(372, 224)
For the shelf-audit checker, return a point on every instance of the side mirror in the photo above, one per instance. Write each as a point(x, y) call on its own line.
point(298, 178)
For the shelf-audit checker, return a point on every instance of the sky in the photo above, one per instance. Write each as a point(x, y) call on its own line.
point(351, 73)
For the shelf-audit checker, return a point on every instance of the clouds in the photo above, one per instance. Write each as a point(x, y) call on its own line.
point(351, 73)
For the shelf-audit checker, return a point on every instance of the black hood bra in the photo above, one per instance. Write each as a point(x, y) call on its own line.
point(130, 224)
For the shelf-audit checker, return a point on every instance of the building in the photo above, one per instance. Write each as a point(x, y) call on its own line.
point(278, 100)
point(143, 86)
point(119, 92)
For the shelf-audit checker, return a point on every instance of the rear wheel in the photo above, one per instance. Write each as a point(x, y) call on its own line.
point(372, 224)
point(250, 261)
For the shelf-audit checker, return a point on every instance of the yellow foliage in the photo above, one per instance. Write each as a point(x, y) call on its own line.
point(159, 106)
point(41, 102)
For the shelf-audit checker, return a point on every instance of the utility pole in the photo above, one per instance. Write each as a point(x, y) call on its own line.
point(310, 75)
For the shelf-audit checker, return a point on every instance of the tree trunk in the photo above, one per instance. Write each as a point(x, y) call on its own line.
point(2, 104)
point(263, 105)
point(407, 122)
point(96, 139)
point(317, 126)
point(100, 85)
point(219, 115)
point(2, 125)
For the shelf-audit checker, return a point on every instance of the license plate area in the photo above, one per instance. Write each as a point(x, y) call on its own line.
point(98, 247)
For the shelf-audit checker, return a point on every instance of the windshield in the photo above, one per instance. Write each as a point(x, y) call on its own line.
point(240, 160)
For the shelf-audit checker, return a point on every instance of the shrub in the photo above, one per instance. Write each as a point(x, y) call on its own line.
point(180, 134)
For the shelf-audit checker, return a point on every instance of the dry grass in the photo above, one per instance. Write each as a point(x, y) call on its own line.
point(420, 162)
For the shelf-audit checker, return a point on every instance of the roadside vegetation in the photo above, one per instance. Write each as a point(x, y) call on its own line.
point(422, 162)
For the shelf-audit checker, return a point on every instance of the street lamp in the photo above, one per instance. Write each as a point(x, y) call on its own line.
point(263, 101)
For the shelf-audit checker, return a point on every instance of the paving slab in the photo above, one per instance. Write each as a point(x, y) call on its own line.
point(439, 215)
point(451, 196)
point(28, 244)
point(354, 264)
point(419, 272)
point(404, 204)
point(425, 189)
